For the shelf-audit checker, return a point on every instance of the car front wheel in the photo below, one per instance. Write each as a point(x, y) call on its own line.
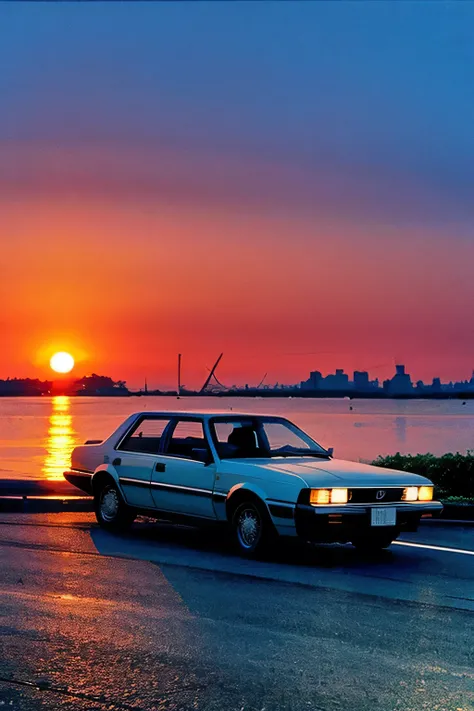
point(110, 509)
point(252, 529)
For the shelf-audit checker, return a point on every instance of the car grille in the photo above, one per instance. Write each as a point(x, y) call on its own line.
point(369, 496)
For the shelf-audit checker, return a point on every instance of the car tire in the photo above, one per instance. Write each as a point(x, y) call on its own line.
point(111, 511)
point(373, 544)
point(252, 529)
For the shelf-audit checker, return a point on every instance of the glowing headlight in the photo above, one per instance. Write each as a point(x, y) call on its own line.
point(319, 496)
point(425, 493)
point(339, 496)
point(328, 496)
point(410, 493)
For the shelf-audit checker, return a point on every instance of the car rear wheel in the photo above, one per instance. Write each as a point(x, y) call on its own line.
point(252, 529)
point(111, 510)
point(374, 543)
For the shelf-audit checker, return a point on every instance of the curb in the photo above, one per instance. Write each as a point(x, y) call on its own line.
point(458, 511)
point(447, 521)
point(45, 505)
point(21, 488)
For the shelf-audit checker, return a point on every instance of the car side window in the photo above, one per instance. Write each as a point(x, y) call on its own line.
point(188, 435)
point(145, 436)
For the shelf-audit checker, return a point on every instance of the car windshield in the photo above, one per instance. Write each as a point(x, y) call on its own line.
point(251, 437)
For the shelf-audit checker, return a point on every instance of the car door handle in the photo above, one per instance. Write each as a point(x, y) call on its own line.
point(160, 467)
point(116, 462)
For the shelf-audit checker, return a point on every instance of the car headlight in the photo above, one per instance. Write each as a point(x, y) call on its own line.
point(328, 496)
point(418, 493)
point(339, 496)
point(425, 493)
point(319, 496)
point(410, 493)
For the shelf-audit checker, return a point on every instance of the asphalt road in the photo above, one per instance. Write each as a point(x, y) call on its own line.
point(167, 618)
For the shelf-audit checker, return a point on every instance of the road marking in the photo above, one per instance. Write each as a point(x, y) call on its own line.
point(433, 548)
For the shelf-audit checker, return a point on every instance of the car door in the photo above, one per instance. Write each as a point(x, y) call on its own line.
point(181, 483)
point(135, 459)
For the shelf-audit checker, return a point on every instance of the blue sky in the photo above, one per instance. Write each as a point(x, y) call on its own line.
point(383, 88)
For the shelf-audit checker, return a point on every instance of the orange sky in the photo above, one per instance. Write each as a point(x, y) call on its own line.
point(125, 284)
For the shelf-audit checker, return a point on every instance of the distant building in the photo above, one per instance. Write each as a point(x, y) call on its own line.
point(361, 380)
point(338, 381)
point(400, 384)
point(314, 381)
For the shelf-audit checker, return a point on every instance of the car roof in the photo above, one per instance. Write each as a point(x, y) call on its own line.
point(200, 415)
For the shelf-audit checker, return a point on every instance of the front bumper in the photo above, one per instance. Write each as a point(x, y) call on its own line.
point(330, 524)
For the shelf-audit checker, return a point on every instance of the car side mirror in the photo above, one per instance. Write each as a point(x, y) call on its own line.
point(202, 455)
point(330, 451)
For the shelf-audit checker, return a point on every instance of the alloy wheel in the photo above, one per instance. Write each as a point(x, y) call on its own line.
point(249, 528)
point(109, 504)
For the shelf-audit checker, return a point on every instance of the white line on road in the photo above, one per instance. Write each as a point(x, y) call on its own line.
point(433, 548)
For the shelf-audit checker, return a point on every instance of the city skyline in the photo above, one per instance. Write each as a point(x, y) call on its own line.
point(296, 188)
point(399, 384)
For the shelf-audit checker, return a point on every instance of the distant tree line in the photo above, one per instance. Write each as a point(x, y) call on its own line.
point(88, 385)
point(25, 386)
point(452, 474)
point(99, 385)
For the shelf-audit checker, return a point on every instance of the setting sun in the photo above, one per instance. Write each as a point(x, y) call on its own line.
point(62, 362)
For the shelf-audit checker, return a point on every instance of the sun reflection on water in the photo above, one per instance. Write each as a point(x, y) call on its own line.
point(61, 439)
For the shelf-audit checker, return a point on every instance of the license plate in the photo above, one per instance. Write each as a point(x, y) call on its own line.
point(383, 517)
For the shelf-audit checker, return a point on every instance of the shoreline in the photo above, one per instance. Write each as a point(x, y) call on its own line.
point(258, 395)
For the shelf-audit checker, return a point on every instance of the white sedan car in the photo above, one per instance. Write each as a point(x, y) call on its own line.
point(261, 476)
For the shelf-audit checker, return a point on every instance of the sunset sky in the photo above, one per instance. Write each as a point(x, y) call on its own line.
point(290, 183)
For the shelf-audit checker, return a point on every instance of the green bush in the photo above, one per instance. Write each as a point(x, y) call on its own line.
point(452, 474)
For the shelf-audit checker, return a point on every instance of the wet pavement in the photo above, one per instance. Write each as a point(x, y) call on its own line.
point(168, 618)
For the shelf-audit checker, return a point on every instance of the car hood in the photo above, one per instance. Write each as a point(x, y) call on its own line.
point(335, 472)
